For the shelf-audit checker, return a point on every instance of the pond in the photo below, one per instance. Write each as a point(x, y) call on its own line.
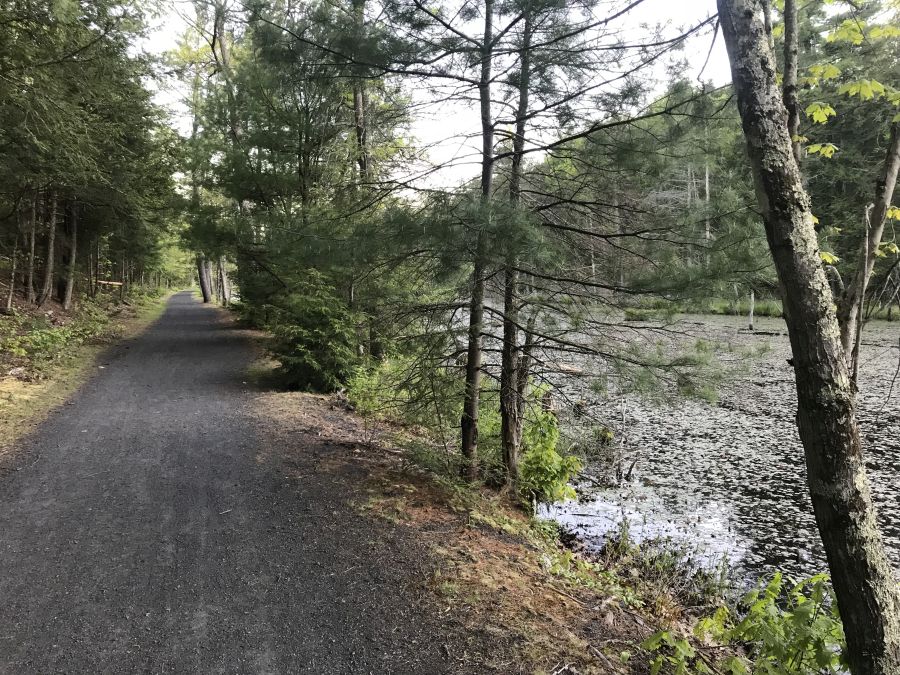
point(727, 479)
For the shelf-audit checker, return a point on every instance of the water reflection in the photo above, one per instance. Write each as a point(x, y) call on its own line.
point(728, 479)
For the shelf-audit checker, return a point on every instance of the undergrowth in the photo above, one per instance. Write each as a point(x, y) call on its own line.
point(427, 400)
point(33, 342)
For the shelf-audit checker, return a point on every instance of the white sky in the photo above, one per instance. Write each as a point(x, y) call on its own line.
point(447, 129)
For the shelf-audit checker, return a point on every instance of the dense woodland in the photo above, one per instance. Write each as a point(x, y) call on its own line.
point(609, 194)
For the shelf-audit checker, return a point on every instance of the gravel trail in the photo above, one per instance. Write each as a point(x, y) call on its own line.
point(150, 526)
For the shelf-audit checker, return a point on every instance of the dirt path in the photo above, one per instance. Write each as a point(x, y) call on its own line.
point(149, 526)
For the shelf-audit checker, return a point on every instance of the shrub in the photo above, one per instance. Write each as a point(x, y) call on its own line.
point(314, 338)
point(544, 474)
point(794, 630)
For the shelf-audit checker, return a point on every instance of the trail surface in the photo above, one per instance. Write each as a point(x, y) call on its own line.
point(149, 526)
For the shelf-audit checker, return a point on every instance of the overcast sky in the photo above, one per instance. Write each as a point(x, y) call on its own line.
point(447, 129)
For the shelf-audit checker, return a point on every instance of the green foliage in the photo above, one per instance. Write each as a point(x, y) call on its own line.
point(789, 629)
point(672, 650)
point(819, 112)
point(79, 131)
point(665, 570)
point(314, 337)
point(784, 630)
point(35, 343)
point(411, 389)
point(544, 472)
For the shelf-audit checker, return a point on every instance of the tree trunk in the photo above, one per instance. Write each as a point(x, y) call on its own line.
point(864, 583)
point(469, 422)
point(789, 88)
point(767, 24)
point(47, 285)
point(32, 235)
point(224, 284)
point(73, 248)
point(752, 307)
point(510, 419)
point(849, 310)
point(359, 100)
point(12, 276)
point(203, 276)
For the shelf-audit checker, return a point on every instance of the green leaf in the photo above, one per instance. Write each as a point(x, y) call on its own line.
point(864, 89)
point(828, 258)
point(850, 30)
point(819, 112)
point(885, 249)
point(826, 150)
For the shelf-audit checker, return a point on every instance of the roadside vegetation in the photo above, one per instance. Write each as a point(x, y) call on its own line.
point(479, 315)
point(89, 227)
point(46, 354)
point(626, 608)
point(693, 618)
point(611, 189)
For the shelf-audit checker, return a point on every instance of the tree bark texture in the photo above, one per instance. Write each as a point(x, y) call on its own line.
point(224, 281)
point(789, 88)
point(864, 583)
point(469, 421)
point(47, 285)
point(203, 276)
point(510, 417)
point(849, 310)
point(70, 268)
point(32, 236)
point(359, 100)
point(12, 276)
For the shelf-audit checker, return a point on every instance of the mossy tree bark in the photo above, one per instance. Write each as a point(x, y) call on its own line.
point(863, 580)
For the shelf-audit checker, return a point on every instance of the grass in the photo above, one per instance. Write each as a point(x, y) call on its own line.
point(731, 307)
point(49, 378)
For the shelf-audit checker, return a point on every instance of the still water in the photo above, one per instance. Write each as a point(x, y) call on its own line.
point(727, 479)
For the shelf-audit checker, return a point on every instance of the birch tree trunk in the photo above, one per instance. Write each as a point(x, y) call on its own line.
point(469, 421)
point(849, 310)
point(864, 583)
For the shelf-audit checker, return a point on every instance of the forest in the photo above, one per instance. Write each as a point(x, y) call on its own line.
point(285, 157)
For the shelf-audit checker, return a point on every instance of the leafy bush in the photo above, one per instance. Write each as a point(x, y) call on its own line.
point(787, 630)
point(410, 389)
point(544, 473)
point(425, 393)
point(314, 338)
point(795, 630)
